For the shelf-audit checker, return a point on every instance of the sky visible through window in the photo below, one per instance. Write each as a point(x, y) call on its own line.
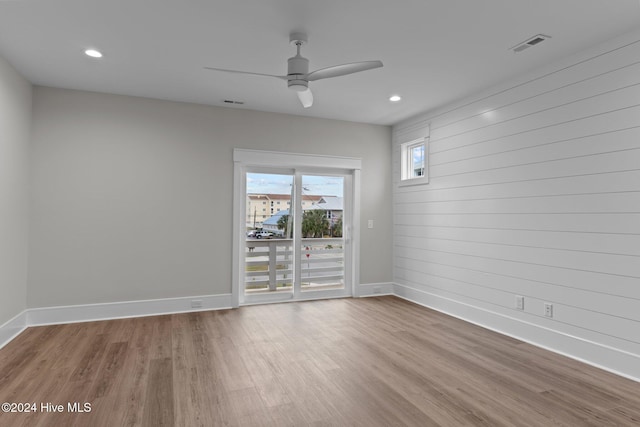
point(281, 184)
point(418, 156)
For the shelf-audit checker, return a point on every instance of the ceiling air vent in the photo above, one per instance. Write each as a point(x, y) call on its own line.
point(231, 101)
point(530, 42)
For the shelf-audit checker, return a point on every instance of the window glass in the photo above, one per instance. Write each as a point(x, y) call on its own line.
point(417, 160)
point(414, 164)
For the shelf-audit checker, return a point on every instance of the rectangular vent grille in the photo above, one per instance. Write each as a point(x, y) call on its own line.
point(530, 42)
point(535, 41)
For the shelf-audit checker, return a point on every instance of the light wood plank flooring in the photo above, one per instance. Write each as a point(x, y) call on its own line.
point(365, 362)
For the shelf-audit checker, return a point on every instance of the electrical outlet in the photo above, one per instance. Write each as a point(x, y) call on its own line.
point(519, 302)
point(548, 309)
point(370, 223)
point(196, 303)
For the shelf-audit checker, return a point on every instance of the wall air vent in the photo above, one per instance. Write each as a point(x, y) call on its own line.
point(530, 42)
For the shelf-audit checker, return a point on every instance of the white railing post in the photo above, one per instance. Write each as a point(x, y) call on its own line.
point(272, 265)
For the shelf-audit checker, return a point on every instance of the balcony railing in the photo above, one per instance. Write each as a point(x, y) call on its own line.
point(270, 265)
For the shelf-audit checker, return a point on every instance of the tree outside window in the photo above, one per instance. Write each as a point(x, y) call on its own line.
point(314, 223)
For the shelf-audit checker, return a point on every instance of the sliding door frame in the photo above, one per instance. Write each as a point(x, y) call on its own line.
point(252, 160)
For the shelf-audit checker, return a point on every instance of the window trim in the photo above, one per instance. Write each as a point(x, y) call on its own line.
point(406, 163)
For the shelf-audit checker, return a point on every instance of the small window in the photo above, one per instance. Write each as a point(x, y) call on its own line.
point(414, 162)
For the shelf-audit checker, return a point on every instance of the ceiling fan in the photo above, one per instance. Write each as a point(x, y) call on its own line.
point(298, 75)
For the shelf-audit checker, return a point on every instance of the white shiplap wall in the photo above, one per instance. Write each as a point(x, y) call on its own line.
point(534, 191)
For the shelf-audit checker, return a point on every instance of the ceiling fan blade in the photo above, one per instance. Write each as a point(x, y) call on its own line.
point(306, 98)
point(342, 70)
point(245, 72)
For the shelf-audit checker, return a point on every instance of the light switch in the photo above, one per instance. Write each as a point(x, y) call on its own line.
point(370, 223)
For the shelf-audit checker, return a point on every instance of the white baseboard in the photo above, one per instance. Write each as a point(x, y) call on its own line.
point(601, 356)
point(12, 328)
point(119, 310)
point(373, 289)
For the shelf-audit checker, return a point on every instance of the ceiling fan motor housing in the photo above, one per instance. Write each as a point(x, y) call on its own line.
point(298, 67)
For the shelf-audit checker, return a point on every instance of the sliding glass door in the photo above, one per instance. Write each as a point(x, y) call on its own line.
point(322, 241)
point(296, 244)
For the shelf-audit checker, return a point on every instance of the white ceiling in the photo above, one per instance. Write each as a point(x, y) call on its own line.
point(434, 51)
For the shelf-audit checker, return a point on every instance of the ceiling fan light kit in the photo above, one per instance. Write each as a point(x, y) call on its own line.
point(298, 75)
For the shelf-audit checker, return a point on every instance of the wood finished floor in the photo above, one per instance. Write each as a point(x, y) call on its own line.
point(366, 362)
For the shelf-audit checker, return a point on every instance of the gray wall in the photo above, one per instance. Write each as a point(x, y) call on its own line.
point(15, 124)
point(535, 191)
point(132, 197)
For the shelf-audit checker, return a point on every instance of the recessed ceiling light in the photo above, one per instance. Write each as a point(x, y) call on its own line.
point(395, 98)
point(93, 53)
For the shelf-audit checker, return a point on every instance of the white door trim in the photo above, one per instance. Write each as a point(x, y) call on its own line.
point(283, 160)
point(244, 159)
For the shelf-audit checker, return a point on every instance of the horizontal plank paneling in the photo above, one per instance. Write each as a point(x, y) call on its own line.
point(561, 277)
point(534, 190)
point(597, 144)
point(587, 261)
point(583, 184)
point(611, 326)
point(625, 308)
point(563, 114)
point(606, 124)
point(538, 85)
point(580, 203)
point(596, 223)
point(620, 79)
point(624, 244)
point(580, 164)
